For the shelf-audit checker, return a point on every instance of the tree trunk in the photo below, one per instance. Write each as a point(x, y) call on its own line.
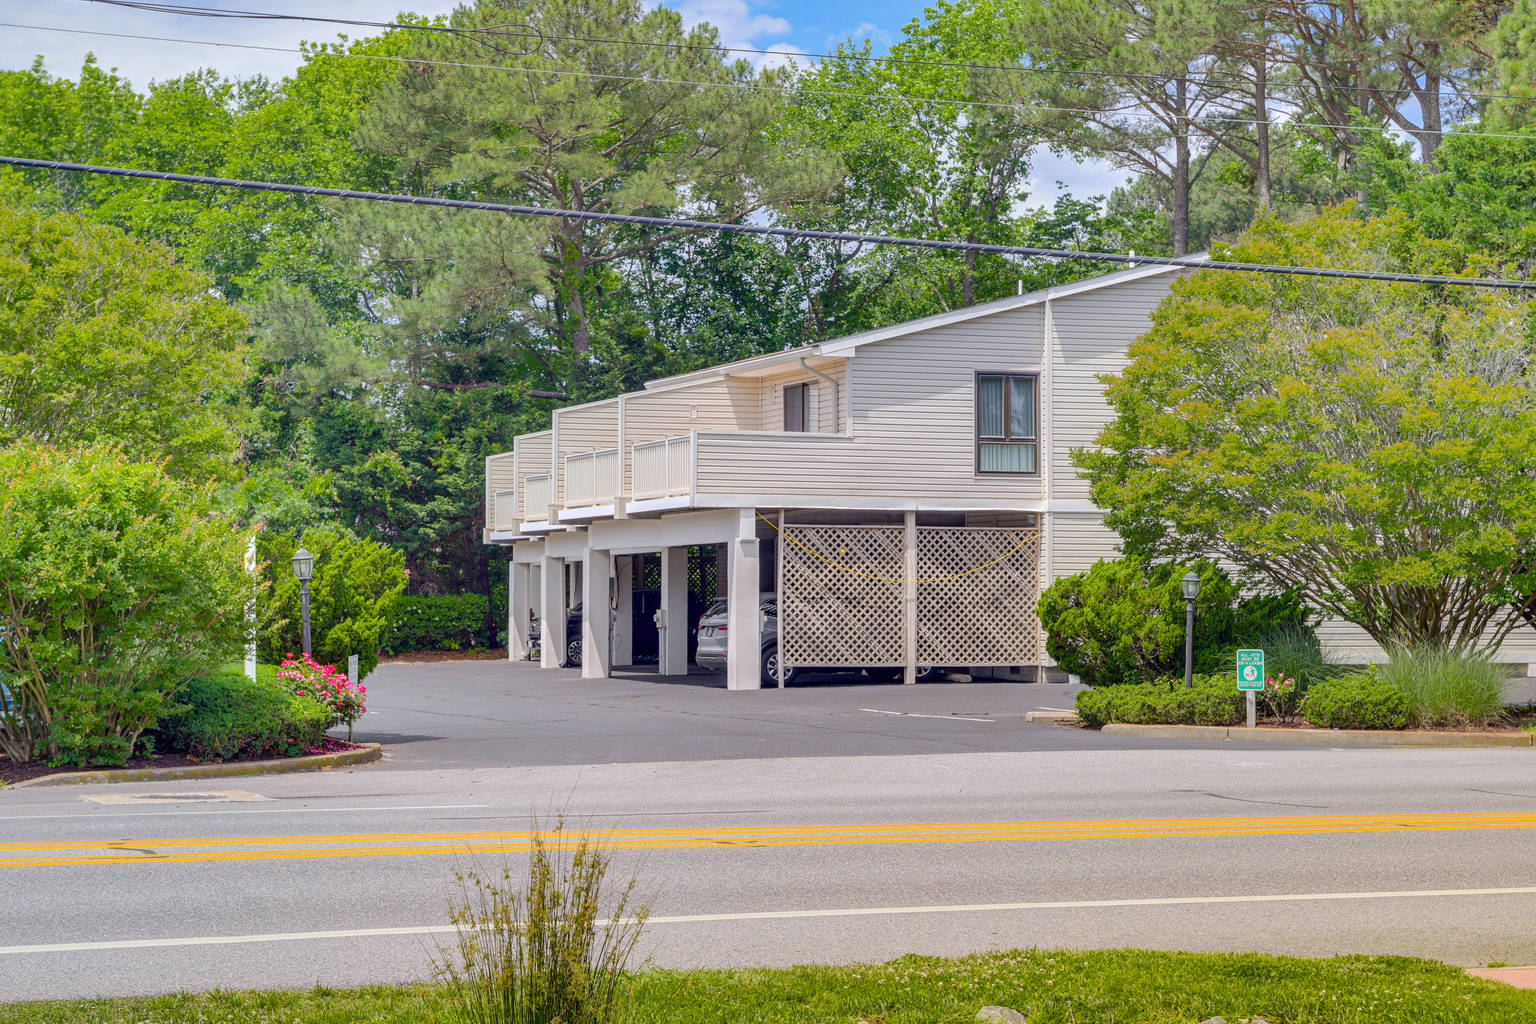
point(1429, 104)
point(1261, 176)
point(1181, 169)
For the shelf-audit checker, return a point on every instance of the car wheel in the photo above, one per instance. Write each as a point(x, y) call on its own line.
point(928, 673)
point(771, 668)
point(572, 653)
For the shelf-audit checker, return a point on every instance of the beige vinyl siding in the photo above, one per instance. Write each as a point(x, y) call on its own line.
point(822, 398)
point(499, 476)
point(914, 408)
point(532, 459)
point(1347, 643)
point(1077, 540)
point(584, 428)
point(1091, 332)
point(727, 404)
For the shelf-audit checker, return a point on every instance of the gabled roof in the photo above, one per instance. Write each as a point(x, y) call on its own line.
point(845, 346)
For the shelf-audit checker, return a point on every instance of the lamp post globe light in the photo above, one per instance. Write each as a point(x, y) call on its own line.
point(304, 569)
point(1190, 584)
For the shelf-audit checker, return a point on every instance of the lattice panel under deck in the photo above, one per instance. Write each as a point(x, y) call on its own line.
point(986, 616)
point(832, 612)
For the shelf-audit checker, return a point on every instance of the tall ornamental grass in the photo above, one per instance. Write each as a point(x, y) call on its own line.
point(1447, 687)
point(550, 948)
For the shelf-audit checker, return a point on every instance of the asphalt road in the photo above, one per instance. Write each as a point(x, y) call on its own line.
point(343, 877)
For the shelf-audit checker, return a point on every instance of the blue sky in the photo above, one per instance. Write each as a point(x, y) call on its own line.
point(781, 25)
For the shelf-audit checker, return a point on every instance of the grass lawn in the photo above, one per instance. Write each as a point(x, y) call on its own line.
point(1049, 987)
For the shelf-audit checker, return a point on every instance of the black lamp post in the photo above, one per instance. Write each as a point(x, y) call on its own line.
point(304, 569)
point(1190, 584)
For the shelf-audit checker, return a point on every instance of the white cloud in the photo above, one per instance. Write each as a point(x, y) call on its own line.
point(781, 55)
point(874, 33)
point(735, 19)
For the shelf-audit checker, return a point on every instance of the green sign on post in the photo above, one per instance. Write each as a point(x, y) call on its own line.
point(1250, 670)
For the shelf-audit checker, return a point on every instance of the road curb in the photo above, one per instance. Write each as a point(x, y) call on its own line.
point(1332, 737)
point(1050, 716)
point(365, 753)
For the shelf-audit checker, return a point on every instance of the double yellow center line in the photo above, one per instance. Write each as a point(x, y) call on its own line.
point(391, 844)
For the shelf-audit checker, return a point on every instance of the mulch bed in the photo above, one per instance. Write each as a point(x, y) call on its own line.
point(10, 772)
point(472, 654)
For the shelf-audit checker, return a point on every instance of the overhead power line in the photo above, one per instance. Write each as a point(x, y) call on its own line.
point(528, 31)
point(775, 232)
point(1128, 110)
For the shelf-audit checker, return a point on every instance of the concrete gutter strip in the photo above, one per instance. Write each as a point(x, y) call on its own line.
point(1050, 716)
point(365, 753)
point(1332, 737)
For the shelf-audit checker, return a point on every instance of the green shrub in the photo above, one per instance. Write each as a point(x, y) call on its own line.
point(1360, 700)
point(1210, 700)
point(225, 716)
point(451, 622)
point(1447, 687)
point(352, 597)
point(1122, 621)
point(116, 583)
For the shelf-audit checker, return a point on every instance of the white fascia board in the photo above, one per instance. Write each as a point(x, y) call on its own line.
point(725, 369)
point(865, 504)
point(502, 536)
point(680, 529)
point(845, 346)
point(540, 527)
point(578, 515)
point(647, 505)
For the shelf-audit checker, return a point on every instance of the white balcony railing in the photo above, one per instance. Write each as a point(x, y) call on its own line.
point(538, 492)
point(591, 478)
point(664, 468)
point(504, 511)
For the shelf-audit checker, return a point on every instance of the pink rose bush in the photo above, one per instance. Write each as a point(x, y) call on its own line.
point(306, 677)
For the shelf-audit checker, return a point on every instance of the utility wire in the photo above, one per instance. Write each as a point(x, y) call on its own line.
point(1020, 108)
point(530, 31)
point(776, 232)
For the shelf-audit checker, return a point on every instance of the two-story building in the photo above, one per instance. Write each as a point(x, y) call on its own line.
point(904, 494)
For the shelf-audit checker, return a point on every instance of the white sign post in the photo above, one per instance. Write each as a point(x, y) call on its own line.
point(1250, 679)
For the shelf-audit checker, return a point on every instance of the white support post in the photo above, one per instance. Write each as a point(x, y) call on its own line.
point(673, 642)
point(596, 575)
point(250, 612)
point(551, 612)
point(909, 601)
point(519, 604)
point(624, 615)
point(744, 644)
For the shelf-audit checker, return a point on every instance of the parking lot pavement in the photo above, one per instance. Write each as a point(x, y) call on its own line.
point(491, 714)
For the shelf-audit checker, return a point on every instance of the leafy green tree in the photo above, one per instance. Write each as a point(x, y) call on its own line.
point(567, 121)
point(1370, 445)
point(351, 598)
point(116, 584)
point(106, 339)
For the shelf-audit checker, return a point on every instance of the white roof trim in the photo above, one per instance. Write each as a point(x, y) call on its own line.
point(751, 363)
point(844, 346)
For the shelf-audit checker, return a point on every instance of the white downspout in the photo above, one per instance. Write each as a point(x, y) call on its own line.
point(837, 407)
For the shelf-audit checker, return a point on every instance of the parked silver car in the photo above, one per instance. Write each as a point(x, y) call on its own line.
point(714, 632)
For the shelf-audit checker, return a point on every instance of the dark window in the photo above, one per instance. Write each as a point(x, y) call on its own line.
point(794, 407)
point(1007, 408)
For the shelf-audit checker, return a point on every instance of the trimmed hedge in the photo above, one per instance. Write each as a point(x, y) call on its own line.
point(225, 716)
point(446, 622)
point(1212, 700)
point(1362, 700)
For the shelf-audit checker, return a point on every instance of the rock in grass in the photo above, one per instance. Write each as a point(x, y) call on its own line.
point(1214, 1020)
point(1000, 1015)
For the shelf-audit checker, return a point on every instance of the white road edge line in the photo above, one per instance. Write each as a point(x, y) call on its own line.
point(92, 815)
point(775, 915)
point(914, 714)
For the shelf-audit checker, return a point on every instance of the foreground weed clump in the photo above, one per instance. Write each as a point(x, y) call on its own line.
point(549, 949)
point(1126, 986)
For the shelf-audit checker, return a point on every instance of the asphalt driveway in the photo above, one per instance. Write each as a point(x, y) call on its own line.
point(495, 714)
